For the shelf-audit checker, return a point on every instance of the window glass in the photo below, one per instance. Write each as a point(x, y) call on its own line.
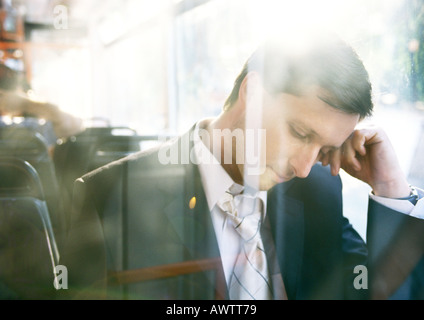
point(211, 47)
point(160, 68)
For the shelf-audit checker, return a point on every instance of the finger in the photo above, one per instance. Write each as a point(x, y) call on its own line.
point(349, 157)
point(358, 141)
point(325, 159)
point(335, 161)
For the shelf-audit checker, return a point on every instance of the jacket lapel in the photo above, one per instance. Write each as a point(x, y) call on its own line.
point(286, 219)
point(193, 224)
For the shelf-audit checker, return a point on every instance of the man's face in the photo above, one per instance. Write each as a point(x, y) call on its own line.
point(299, 130)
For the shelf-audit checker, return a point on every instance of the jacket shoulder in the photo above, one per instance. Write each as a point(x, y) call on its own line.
point(144, 159)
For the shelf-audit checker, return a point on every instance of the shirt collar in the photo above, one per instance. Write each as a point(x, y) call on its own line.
point(216, 181)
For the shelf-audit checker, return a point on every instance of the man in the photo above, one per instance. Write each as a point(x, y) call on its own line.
point(174, 215)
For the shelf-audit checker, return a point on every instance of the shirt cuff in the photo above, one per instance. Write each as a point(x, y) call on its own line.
point(403, 206)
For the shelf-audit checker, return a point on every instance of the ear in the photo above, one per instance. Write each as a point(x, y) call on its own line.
point(250, 87)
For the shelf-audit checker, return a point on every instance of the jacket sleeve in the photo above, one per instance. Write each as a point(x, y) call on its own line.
point(396, 246)
point(355, 257)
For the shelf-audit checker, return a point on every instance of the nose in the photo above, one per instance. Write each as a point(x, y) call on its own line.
point(303, 161)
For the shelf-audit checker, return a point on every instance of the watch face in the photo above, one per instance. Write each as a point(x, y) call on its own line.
point(413, 198)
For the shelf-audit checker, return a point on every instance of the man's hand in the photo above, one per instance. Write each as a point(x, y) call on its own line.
point(369, 156)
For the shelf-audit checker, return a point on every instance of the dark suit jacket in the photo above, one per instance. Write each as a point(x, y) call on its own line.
point(135, 213)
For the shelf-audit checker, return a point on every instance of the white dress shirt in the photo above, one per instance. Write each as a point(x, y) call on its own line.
point(216, 182)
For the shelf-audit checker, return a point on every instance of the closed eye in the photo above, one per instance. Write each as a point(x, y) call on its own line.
point(298, 135)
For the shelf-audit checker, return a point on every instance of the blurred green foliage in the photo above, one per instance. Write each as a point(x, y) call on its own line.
point(408, 66)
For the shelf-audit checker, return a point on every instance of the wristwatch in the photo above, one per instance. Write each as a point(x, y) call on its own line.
point(413, 197)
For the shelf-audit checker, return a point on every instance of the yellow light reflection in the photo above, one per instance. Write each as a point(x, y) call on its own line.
point(192, 203)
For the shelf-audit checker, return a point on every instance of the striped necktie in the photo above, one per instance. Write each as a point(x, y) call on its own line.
point(250, 278)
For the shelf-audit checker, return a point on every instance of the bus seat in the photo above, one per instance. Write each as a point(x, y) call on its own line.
point(28, 249)
point(29, 145)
